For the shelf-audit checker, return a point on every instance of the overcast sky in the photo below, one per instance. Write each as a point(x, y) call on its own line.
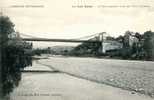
point(57, 18)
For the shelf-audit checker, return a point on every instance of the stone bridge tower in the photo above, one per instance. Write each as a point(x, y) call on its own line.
point(101, 38)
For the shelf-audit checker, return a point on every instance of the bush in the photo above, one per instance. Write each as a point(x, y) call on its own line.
point(14, 58)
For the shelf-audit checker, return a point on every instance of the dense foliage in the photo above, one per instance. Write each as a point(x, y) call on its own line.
point(86, 49)
point(14, 56)
point(15, 59)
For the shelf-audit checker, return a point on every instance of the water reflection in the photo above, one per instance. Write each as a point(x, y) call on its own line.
point(14, 59)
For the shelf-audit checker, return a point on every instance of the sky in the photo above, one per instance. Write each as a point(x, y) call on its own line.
point(58, 19)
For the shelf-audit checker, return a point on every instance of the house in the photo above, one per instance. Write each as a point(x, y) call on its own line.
point(130, 39)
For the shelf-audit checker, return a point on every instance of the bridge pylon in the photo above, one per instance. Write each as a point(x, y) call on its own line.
point(101, 39)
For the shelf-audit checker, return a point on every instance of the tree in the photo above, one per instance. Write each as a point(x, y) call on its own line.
point(110, 38)
point(86, 49)
point(120, 39)
point(13, 57)
point(149, 44)
point(127, 36)
point(138, 35)
point(6, 27)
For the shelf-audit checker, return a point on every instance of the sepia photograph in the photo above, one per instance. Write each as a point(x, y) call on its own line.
point(76, 50)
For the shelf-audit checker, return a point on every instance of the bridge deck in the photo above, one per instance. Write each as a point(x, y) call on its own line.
point(58, 40)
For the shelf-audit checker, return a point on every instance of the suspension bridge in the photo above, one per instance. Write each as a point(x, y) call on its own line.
point(94, 38)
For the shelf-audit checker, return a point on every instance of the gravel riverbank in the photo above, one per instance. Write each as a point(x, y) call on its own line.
point(136, 76)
